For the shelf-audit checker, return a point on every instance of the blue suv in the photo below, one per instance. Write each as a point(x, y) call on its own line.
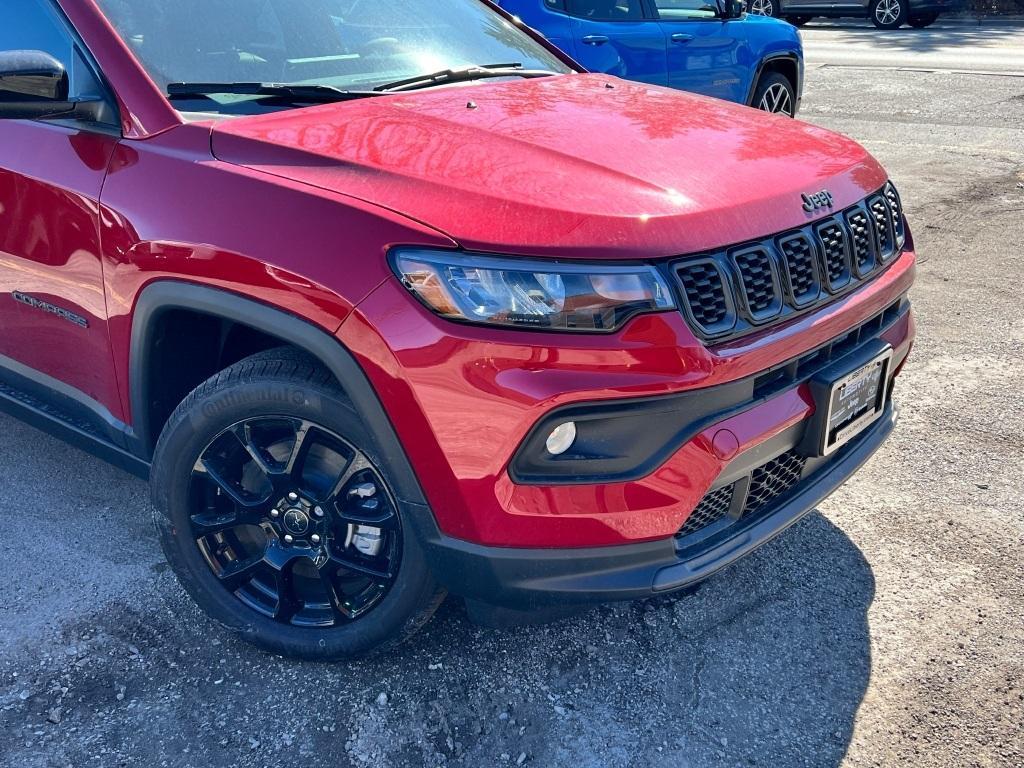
point(706, 46)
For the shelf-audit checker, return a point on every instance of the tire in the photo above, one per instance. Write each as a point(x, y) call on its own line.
point(274, 421)
point(923, 20)
point(774, 93)
point(771, 8)
point(798, 21)
point(888, 14)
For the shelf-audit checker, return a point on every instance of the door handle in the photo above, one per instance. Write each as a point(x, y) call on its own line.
point(681, 37)
point(595, 39)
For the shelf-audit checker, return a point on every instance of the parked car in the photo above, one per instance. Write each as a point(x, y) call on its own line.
point(884, 14)
point(387, 300)
point(710, 47)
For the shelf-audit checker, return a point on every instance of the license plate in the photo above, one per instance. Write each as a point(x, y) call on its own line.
point(855, 402)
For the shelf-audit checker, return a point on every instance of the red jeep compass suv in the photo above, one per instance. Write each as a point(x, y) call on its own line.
point(389, 299)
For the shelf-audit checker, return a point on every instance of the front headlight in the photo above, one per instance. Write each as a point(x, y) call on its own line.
point(526, 293)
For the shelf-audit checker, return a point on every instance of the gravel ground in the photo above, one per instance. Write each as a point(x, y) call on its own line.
point(885, 629)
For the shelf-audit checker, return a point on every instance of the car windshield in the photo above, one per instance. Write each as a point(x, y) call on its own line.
point(354, 45)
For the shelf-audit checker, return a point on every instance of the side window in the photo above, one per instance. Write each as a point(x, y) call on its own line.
point(35, 25)
point(555, 5)
point(607, 10)
point(681, 10)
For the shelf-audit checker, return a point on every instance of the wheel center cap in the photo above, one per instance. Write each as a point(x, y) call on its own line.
point(296, 522)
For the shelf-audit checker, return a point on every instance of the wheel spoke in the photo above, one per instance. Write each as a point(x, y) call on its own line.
point(240, 572)
point(212, 475)
point(383, 518)
point(209, 523)
point(336, 598)
point(243, 433)
point(350, 563)
point(293, 464)
point(358, 463)
point(288, 602)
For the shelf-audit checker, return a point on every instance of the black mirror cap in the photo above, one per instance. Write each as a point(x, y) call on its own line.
point(27, 76)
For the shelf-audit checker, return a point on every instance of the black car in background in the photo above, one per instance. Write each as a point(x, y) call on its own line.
point(884, 14)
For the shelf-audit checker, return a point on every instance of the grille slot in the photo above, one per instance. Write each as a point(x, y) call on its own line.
point(799, 269)
point(836, 254)
point(862, 241)
point(759, 283)
point(883, 227)
point(771, 480)
point(712, 508)
point(736, 291)
point(892, 197)
point(708, 297)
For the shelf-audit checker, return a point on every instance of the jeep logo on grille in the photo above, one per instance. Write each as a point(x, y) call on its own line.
point(818, 200)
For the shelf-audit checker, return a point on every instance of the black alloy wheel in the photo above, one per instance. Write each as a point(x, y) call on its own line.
point(276, 513)
point(295, 522)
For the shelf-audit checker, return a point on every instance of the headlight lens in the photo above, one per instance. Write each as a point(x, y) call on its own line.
point(531, 294)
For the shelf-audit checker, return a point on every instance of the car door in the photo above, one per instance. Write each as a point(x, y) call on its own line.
point(706, 53)
point(53, 324)
point(806, 7)
point(617, 37)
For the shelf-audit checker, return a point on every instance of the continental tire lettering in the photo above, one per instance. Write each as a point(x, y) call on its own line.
point(269, 393)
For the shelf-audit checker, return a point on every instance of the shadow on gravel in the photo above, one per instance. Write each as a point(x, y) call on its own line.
point(909, 40)
point(764, 666)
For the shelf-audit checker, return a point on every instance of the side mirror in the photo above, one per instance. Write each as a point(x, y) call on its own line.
point(34, 85)
point(735, 8)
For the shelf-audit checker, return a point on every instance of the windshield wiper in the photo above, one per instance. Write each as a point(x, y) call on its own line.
point(475, 72)
point(313, 94)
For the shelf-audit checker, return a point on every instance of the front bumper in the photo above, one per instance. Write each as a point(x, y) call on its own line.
point(527, 579)
point(465, 400)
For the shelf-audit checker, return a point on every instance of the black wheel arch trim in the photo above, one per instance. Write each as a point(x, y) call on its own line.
point(168, 295)
point(790, 56)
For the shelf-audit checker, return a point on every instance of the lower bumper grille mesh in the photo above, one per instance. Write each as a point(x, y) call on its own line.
point(773, 479)
point(766, 483)
point(712, 508)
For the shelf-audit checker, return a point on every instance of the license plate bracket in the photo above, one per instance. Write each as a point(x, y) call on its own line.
point(849, 397)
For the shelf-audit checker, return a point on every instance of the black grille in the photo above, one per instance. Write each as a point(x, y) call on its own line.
point(836, 253)
point(771, 480)
point(730, 293)
point(863, 242)
point(883, 226)
point(799, 269)
point(712, 508)
point(706, 296)
point(759, 283)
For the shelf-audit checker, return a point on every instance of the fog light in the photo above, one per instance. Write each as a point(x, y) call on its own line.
point(561, 438)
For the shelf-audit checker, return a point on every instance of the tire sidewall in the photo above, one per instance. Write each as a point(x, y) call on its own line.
point(188, 433)
point(766, 81)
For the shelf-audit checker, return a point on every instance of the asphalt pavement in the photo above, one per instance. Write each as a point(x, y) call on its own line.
point(886, 629)
point(963, 46)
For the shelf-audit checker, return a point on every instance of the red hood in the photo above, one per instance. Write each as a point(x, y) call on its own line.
point(562, 165)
